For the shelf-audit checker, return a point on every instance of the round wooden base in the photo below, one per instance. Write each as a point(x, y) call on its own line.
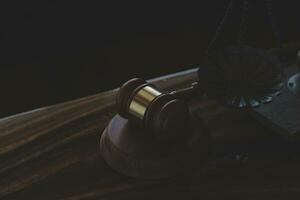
point(134, 152)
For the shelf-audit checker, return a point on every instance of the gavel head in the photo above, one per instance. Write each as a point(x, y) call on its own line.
point(157, 112)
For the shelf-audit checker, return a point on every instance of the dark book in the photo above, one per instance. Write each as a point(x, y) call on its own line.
point(283, 113)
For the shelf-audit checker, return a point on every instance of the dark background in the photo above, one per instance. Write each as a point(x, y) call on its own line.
point(53, 51)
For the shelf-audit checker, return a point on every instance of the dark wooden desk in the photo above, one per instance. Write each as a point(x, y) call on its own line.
point(53, 153)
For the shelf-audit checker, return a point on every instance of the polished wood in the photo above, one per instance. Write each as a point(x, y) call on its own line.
point(53, 153)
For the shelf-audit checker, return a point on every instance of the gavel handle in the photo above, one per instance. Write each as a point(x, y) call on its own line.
point(189, 92)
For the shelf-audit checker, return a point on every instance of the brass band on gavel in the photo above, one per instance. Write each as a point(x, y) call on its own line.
point(141, 101)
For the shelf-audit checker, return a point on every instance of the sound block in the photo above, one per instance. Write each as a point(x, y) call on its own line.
point(134, 152)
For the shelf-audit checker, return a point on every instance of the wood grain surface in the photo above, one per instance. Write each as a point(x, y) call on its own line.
point(53, 153)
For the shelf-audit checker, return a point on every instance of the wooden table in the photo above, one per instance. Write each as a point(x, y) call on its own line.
point(53, 153)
